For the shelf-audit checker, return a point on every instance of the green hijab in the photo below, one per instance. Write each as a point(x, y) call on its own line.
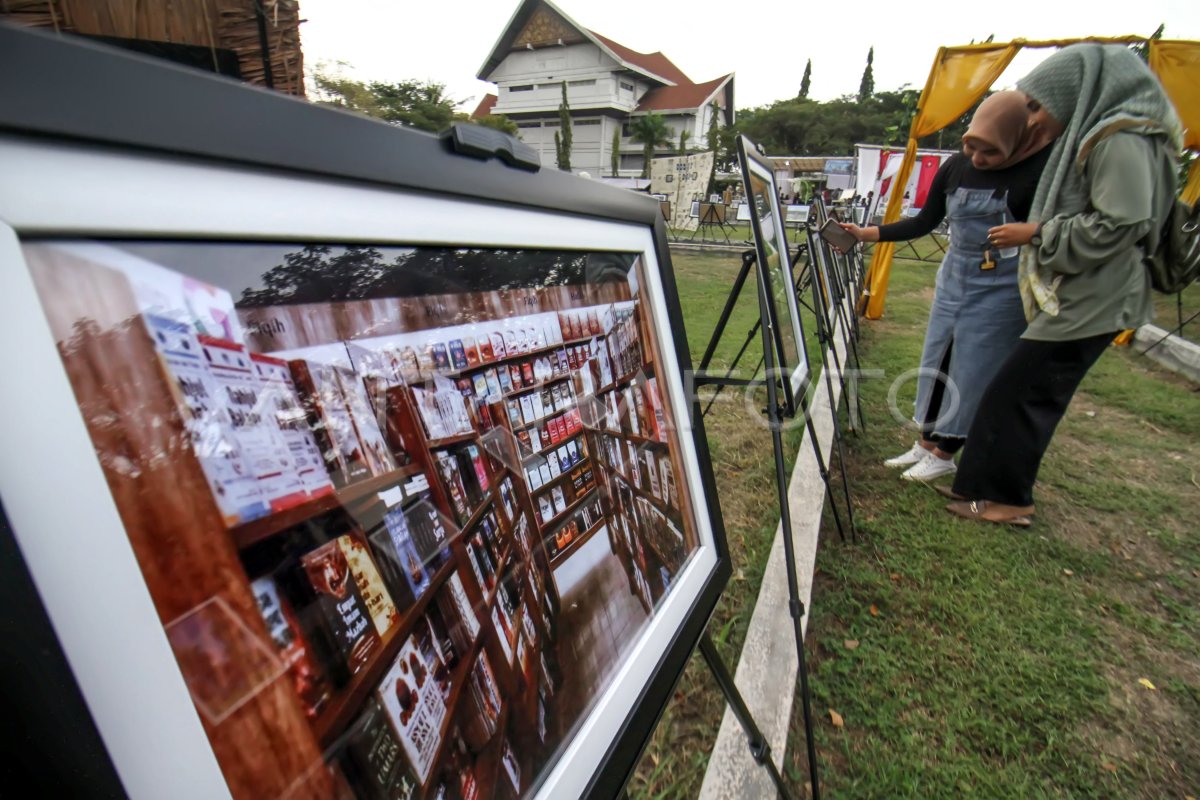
point(1094, 91)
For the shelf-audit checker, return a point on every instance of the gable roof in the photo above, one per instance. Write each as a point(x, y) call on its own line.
point(654, 63)
point(654, 66)
point(485, 106)
point(690, 95)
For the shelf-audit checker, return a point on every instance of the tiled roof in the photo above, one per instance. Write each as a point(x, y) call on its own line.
point(485, 106)
point(655, 63)
point(689, 95)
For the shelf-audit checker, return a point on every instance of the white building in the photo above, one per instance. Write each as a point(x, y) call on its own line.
point(608, 87)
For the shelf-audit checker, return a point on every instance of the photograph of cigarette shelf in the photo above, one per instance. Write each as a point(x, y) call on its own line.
point(477, 487)
point(626, 430)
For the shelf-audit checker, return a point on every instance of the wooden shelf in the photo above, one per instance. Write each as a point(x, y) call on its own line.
point(566, 512)
point(536, 386)
point(458, 681)
point(576, 542)
point(446, 441)
point(453, 373)
point(662, 505)
point(346, 703)
point(554, 482)
point(637, 437)
point(487, 502)
point(552, 446)
point(624, 380)
point(256, 530)
point(488, 763)
point(527, 425)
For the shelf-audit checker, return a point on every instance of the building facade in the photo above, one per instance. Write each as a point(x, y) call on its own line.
point(608, 87)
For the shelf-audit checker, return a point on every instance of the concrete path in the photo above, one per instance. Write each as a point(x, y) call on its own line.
point(766, 674)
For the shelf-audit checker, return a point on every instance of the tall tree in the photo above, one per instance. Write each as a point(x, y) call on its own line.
point(684, 135)
point(712, 140)
point(416, 104)
point(806, 81)
point(615, 163)
point(562, 144)
point(867, 87)
point(652, 131)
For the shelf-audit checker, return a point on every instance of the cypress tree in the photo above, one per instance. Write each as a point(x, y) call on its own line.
point(867, 87)
point(562, 145)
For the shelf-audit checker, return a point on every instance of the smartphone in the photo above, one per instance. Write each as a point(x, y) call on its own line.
point(837, 236)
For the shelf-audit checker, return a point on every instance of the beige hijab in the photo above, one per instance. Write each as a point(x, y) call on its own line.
point(1002, 121)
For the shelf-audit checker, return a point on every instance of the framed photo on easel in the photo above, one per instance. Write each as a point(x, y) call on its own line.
point(775, 271)
point(345, 460)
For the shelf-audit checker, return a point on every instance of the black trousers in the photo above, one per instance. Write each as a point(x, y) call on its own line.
point(1017, 417)
point(947, 444)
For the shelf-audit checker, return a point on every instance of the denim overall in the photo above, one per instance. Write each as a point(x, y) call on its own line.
point(977, 310)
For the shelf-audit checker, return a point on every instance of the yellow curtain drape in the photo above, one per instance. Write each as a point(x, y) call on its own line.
point(958, 79)
point(1177, 65)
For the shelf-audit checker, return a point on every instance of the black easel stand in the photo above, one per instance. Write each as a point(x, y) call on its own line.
point(760, 749)
point(702, 378)
point(832, 304)
point(775, 419)
point(775, 414)
point(825, 343)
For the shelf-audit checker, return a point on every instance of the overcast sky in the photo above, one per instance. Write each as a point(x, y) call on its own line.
point(765, 42)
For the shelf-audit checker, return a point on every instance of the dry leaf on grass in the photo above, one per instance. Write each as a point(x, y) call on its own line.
point(895, 576)
point(1108, 766)
point(836, 719)
point(1147, 684)
point(1068, 572)
point(874, 610)
point(851, 644)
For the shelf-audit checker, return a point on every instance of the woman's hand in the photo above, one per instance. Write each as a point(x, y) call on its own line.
point(1012, 234)
point(870, 234)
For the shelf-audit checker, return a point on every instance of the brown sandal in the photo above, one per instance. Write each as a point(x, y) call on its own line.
point(948, 493)
point(987, 511)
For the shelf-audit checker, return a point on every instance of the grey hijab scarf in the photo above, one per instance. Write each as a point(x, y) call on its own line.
point(1094, 91)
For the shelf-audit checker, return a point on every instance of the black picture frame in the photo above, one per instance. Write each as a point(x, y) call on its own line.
point(83, 97)
point(776, 279)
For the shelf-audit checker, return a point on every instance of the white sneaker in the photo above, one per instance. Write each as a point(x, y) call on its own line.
point(913, 456)
point(929, 468)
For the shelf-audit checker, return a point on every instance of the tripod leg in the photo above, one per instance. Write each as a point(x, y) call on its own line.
point(760, 749)
point(816, 447)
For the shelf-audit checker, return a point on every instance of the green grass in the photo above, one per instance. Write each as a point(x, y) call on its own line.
point(997, 663)
point(1005, 663)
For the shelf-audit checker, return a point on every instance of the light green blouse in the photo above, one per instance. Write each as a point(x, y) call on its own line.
point(1105, 286)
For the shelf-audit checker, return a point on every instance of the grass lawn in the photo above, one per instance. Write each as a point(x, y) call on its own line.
point(967, 659)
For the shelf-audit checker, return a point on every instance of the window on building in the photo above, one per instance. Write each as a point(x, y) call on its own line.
point(588, 82)
point(527, 87)
point(628, 87)
point(626, 130)
point(585, 122)
point(529, 124)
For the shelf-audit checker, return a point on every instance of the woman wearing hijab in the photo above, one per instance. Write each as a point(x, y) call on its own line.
point(1100, 206)
point(976, 317)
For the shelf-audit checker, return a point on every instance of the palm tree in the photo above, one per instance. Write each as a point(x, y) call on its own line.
point(652, 131)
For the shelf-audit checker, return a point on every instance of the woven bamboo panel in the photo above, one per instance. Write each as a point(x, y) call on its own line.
point(226, 24)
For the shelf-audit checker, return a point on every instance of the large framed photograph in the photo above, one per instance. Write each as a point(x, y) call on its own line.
point(775, 272)
point(345, 465)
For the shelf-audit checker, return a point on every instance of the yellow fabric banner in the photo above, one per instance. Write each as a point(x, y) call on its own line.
point(959, 78)
point(1177, 65)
